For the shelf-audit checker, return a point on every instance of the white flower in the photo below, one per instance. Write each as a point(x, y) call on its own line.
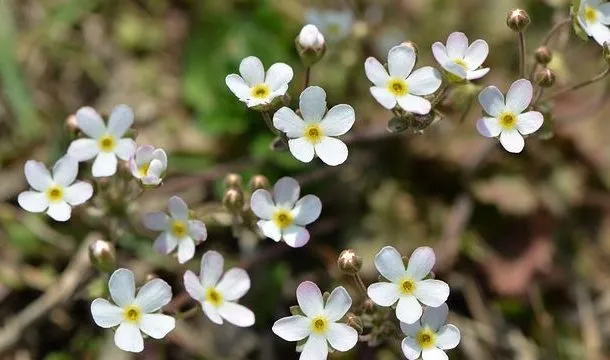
point(400, 85)
point(219, 295)
point(430, 336)
point(314, 132)
point(254, 87)
point(57, 193)
point(320, 324)
point(177, 230)
point(335, 24)
point(284, 216)
point(134, 313)
point(104, 143)
point(311, 38)
point(507, 119)
point(408, 287)
point(148, 164)
point(460, 59)
point(593, 17)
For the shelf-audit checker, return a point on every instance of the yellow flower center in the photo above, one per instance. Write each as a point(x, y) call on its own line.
point(214, 297)
point(508, 120)
point(143, 170)
point(407, 286)
point(590, 14)
point(283, 218)
point(398, 87)
point(260, 91)
point(107, 143)
point(313, 133)
point(179, 228)
point(319, 325)
point(461, 63)
point(55, 193)
point(426, 338)
point(132, 314)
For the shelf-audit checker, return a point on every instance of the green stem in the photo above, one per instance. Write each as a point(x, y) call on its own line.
point(568, 89)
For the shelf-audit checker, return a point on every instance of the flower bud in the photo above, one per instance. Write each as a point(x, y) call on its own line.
point(233, 200)
point(310, 45)
point(233, 181)
point(258, 182)
point(354, 322)
point(103, 255)
point(71, 124)
point(543, 55)
point(545, 77)
point(368, 306)
point(410, 44)
point(349, 262)
point(398, 124)
point(518, 20)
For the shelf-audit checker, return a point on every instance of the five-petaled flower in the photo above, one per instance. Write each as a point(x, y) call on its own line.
point(104, 144)
point(218, 293)
point(54, 193)
point(177, 230)
point(594, 18)
point(283, 216)
point(133, 313)
point(407, 287)
point(430, 336)
point(401, 86)
point(256, 88)
point(320, 323)
point(508, 119)
point(460, 59)
point(148, 165)
point(314, 132)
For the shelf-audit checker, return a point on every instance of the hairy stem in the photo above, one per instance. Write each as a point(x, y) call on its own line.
point(554, 30)
point(360, 283)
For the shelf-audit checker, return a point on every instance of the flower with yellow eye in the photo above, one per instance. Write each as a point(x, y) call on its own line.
point(134, 313)
point(319, 323)
point(430, 336)
point(400, 85)
point(148, 164)
point(314, 133)
point(57, 193)
point(104, 144)
point(218, 293)
point(593, 17)
point(507, 118)
point(254, 86)
point(178, 230)
point(462, 60)
point(283, 216)
point(407, 287)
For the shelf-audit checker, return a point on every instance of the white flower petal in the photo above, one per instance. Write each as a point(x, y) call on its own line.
point(307, 210)
point(78, 193)
point(252, 70)
point(383, 293)
point(154, 295)
point(401, 60)
point(90, 122)
point(410, 329)
point(165, 243)
point(33, 201)
point(431, 292)
point(440, 54)
point(383, 97)
point(315, 348)
point(448, 337)
point(211, 312)
point(599, 32)
point(489, 127)
point(476, 54)
point(420, 263)
point(278, 75)
point(238, 86)
point(120, 120)
point(312, 104)
point(414, 104)
point(434, 354)
point(104, 165)
point(197, 230)
point(288, 122)
point(60, 211)
point(83, 149)
point(128, 338)
point(408, 309)
point(435, 317)
point(37, 175)
point(156, 221)
point(105, 314)
point(309, 298)
point(269, 229)
point(301, 149)
point(604, 9)
point(157, 325)
point(337, 304)
point(144, 154)
point(236, 314)
point(410, 348)
point(512, 141)
point(331, 151)
point(193, 287)
point(234, 284)
point(186, 249)
point(375, 72)
point(492, 101)
point(388, 262)
point(295, 236)
point(122, 286)
point(292, 328)
point(125, 148)
point(262, 204)
point(476, 74)
point(177, 208)
point(65, 171)
point(212, 264)
point(286, 192)
point(529, 122)
point(338, 120)
point(424, 81)
point(519, 96)
point(457, 44)
point(341, 336)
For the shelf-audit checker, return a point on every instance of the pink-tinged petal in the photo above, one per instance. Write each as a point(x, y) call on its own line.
point(156, 221)
point(489, 127)
point(519, 96)
point(37, 175)
point(292, 328)
point(315, 348)
point(286, 192)
point(341, 336)
point(476, 54)
point(177, 208)
point(295, 236)
point(288, 122)
point(105, 314)
point(301, 149)
point(414, 104)
point(512, 141)
point(153, 295)
point(529, 122)
point(236, 314)
point(457, 44)
point(375, 72)
point(90, 122)
point(401, 60)
point(120, 121)
point(388, 262)
point(383, 97)
point(435, 317)
point(421, 262)
point(307, 210)
point(33, 201)
point(337, 304)
point(431, 292)
point(262, 204)
point(448, 337)
point(492, 101)
point(197, 230)
point(383, 293)
point(128, 338)
point(157, 325)
point(312, 104)
point(270, 230)
point(331, 151)
point(234, 284)
point(122, 286)
point(60, 211)
point(212, 264)
point(104, 165)
point(193, 287)
point(83, 149)
point(144, 154)
point(410, 348)
point(309, 298)
point(408, 309)
point(165, 243)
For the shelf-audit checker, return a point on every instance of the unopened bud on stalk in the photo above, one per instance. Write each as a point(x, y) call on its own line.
point(258, 182)
point(71, 124)
point(354, 322)
point(368, 306)
point(233, 200)
point(310, 45)
point(103, 255)
point(233, 181)
point(410, 44)
point(349, 262)
point(545, 77)
point(543, 55)
point(518, 20)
